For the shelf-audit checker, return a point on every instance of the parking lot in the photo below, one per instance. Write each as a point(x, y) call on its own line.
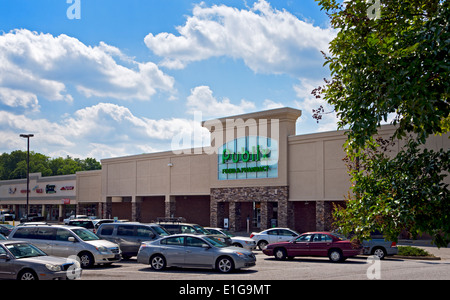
point(267, 268)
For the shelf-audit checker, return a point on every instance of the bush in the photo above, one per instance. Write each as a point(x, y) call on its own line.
point(412, 251)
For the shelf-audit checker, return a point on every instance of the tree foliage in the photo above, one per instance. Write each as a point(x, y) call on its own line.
point(14, 165)
point(394, 67)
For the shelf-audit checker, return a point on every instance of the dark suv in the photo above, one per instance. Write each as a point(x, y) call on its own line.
point(130, 235)
point(175, 227)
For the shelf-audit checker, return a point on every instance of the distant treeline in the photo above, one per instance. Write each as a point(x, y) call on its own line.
point(14, 165)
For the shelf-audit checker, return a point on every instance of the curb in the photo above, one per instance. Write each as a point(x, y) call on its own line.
point(416, 257)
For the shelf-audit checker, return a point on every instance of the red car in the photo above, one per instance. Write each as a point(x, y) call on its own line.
point(336, 247)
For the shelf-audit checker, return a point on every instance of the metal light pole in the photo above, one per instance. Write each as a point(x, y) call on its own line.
point(28, 136)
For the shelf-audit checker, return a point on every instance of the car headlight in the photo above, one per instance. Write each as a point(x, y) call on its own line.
point(240, 254)
point(102, 249)
point(54, 268)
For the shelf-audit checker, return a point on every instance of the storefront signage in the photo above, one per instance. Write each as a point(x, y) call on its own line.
point(248, 157)
point(50, 189)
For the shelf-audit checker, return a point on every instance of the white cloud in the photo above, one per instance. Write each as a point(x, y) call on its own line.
point(35, 65)
point(100, 131)
point(202, 100)
point(307, 102)
point(268, 40)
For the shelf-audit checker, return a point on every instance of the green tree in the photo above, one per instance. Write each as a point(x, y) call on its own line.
point(14, 165)
point(395, 65)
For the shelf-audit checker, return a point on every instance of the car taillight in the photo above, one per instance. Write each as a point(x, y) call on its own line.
point(252, 235)
point(394, 244)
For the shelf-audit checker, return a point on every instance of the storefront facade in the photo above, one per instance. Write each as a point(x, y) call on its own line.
point(50, 197)
point(256, 174)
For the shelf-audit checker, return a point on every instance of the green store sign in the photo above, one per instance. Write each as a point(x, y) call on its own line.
point(257, 158)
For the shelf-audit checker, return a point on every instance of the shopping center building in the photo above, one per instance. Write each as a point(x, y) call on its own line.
point(257, 173)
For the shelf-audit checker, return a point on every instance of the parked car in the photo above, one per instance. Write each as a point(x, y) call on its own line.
point(61, 240)
point(237, 241)
point(98, 222)
point(5, 229)
point(24, 261)
point(336, 247)
point(379, 247)
point(129, 236)
point(177, 227)
point(272, 235)
point(67, 220)
point(194, 251)
point(32, 218)
point(85, 223)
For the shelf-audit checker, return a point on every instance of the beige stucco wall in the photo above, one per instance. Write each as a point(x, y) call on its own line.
point(90, 186)
point(317, 171)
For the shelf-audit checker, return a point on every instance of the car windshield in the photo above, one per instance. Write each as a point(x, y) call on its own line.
point(23, 250)
point(215, 242)
point(161, 231)
point(200, 229)
point(85, 234)
point(227, 233)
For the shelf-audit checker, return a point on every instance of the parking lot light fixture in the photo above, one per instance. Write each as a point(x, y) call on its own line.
point(28, 136)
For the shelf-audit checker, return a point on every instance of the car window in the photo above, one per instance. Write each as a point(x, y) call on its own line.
point(304, 238)
point(125, 230)
point(272, 232)
point(24, 250)
point(63, 234)
point(172, 228)
point(25, 233)
point(143, 231)
point(322, 238)
point(173, 241)
point(85, 224)
point(2, 251)
point(187, 229)
point(107, 230)
point(160, 230)
point(45, 233)
point(286, 232)
point(194, 242)
point(85, 234)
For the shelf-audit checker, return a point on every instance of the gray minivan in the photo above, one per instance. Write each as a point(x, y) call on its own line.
point(130, 235)
point(64, 241)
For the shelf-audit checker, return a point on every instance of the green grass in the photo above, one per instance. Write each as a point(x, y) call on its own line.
point(412, 251)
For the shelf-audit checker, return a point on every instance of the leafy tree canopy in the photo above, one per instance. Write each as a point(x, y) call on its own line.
point(14, 165)
point(390, 62)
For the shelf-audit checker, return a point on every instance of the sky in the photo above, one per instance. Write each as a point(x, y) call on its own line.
point(111, 78)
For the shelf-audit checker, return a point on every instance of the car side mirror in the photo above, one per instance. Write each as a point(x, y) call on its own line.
point(71, 239)
point(205, 246)
point(4, 257)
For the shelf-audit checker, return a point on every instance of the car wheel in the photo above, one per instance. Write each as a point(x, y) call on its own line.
point(27, 275)
point(335, 255)
point(280, 254)
point(158, 262)
point(225, 264)
point(379, 252)
point(262, 244)
point(86, 260)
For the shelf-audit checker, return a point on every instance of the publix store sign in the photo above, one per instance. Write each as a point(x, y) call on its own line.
point(248, 157)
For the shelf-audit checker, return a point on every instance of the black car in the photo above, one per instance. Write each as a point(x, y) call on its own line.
point(5, 229)
point(32, 218)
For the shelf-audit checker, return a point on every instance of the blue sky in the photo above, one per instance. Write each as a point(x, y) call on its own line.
point(128, 76)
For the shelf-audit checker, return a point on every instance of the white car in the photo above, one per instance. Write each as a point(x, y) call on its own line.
point(273, 235)
point(237, 241)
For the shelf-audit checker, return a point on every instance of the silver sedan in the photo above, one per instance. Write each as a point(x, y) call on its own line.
point(194, 251)
point(24, 261)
